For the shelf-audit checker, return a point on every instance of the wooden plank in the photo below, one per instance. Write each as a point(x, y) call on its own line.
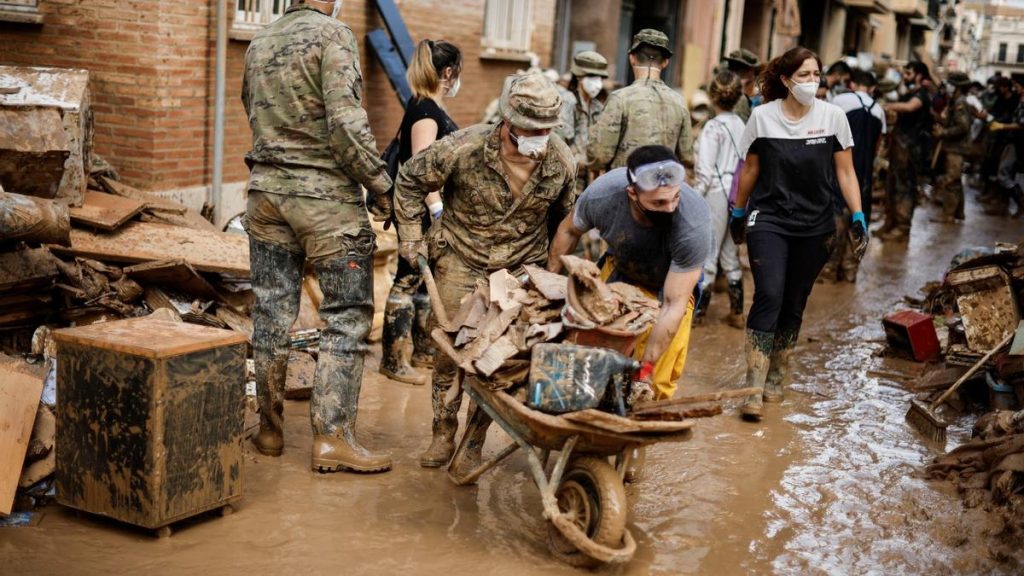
point(152, 202)
point(495, 356)
point(148, 337)
point(106, 211)
point(552, 286)
point(25, 270)
point(713, 397)
point(190, 219)
point(177, 275)
point(143, 242)
point(620, 425)
point(238, 322)
point(19, 401)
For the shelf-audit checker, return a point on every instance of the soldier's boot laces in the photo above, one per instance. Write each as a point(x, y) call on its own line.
point(422, 344)
point(395, 342)
point(277, 273)
point(736, 318)
point(757, 349)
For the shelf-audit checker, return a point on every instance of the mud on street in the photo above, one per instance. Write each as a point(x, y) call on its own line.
point(830, 482)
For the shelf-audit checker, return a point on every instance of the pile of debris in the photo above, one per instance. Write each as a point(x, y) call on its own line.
point(497, 325)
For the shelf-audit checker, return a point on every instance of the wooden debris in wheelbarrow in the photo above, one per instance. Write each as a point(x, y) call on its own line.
point(683, 412)
point(621, 425)
point(587, 294)
point(552, 286)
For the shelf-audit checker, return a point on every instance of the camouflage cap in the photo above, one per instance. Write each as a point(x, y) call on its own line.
point(589, 63)
point(651, 37)
point(530, 101)
point(742, 58)
point(886, 85)
point(959, 79)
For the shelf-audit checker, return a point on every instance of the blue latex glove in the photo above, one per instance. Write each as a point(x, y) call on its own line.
point(738, 225)
point(859, 234)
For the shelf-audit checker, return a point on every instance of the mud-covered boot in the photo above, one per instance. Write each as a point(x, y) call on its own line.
point(736, 318)
point(471, 456)
point(276, 280)
point(395, 341)
point(758, 348)
point(422, 344)
point(347, 311)
point(635, 467)
point(442, 445)
point(778, 365)
point(700, 310)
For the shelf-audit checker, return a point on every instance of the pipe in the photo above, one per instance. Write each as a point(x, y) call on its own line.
point(215, 196)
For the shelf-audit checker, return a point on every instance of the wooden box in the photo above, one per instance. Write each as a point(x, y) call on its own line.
point(913, 333)
point(149, 419)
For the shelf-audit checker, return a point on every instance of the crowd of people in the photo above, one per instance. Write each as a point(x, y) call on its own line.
point(782, 159)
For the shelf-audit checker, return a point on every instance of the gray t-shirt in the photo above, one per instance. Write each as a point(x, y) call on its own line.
point(645, 256)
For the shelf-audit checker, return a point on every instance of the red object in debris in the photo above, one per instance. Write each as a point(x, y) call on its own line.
point(914, 333)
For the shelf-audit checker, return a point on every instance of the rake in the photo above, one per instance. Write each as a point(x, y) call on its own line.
point(922, 416)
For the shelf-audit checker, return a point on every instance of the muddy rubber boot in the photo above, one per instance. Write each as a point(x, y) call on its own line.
point(736, 318)
point(470, 459)
point(700, 311)
point(778, 365)
point(635, 469)
point(758, 348)
point(347, 310)
point(396, 341)
point(442, 445)
point(276, 281)
point(422, 344)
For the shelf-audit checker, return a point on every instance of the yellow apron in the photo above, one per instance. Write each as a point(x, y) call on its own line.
point(669, 368)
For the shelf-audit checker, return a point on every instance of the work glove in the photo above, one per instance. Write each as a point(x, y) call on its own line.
point(738, 225)
point(859, 235)
point(641, 389)
point(380, 207)
point(411, 251)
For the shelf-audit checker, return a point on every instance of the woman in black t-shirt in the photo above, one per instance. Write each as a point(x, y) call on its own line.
point(433, 75)
point(797, 157)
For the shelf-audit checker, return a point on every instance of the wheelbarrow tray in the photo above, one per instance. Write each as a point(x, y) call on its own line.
point(550, 432)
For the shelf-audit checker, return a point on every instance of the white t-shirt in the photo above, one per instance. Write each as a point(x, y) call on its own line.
point(797, 181)
point(848, 102)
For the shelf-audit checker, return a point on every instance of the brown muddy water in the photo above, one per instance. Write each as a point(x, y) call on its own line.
point(829, 483)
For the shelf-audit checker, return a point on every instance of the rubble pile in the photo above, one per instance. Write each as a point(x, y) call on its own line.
point(499, 323)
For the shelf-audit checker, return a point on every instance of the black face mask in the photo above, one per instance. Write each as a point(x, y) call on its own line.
point(659, 219)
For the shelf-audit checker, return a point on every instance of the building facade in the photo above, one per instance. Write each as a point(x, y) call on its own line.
point(989, 39)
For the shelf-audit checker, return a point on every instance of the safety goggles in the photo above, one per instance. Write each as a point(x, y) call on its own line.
point(653, 176)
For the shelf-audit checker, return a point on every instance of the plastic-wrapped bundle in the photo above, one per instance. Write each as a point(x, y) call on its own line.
point(567, 377)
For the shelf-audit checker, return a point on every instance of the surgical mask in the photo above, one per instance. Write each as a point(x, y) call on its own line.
point(530, 146)
point(591, 85)
point(804, 92)
point(454, 90)
point(337, 9)
point(659, 219)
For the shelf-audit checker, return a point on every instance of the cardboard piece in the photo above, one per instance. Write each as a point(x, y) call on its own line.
point(177, 275)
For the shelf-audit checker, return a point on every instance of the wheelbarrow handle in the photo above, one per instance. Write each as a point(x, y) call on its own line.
point(435, 297)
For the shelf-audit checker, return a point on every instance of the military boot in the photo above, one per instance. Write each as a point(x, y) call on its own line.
point(422, 343)
point(276, 281)
point(395, 342)
point(347, 310)
point(778, 364)
point(736, 318)
point(758, 349)
point(700, 310)
point(470, 458)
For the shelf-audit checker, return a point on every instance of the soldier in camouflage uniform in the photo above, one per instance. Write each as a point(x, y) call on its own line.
point(502, 185)
point(954, 132)
point(643, 113)
point(909, 154)
point(580, 108)
point(312, 148)
point(746, 65)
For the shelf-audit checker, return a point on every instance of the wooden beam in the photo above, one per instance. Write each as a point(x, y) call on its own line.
point(106, 211)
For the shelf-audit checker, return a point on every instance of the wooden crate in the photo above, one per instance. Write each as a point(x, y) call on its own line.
point(149, 419)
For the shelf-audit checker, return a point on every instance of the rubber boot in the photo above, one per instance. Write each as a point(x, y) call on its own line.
point(700, 311)
point(778, 365)
point(635, 467)
point(396, 342)
point(758, 348)
point(736, 318)
point(471, 457)
point(445, 416)
point(422, 344)
point(276, 282)
point(347, 311)
point(442, 445)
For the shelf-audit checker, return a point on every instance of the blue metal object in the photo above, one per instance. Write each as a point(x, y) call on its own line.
point(388, 56)
point(396, 27)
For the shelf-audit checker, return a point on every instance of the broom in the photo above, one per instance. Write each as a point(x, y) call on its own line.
point(922, 416)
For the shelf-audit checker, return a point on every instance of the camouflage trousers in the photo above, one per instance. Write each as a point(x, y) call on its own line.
point(951, 188)
point(344, 267)
point(901, 186)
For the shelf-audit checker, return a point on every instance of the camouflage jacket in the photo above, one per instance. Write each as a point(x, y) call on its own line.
point(302, 91)
point(956, 125)
point(482, 222)
point(645, 112)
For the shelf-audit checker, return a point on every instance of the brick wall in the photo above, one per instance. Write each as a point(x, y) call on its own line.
point(152, 65)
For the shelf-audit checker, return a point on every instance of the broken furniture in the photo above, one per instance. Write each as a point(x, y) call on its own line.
point(913, 333)
point(149, 420)
point(987, 304)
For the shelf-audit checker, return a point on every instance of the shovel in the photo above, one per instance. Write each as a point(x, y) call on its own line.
point(923, 417)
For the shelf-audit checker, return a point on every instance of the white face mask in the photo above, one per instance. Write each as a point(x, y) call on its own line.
point(454, 89)
point(531, 146)
point(804, 92)
point(337, 9)
point(591, 85)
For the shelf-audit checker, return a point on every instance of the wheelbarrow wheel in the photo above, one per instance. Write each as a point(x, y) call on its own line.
point(591, 494)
